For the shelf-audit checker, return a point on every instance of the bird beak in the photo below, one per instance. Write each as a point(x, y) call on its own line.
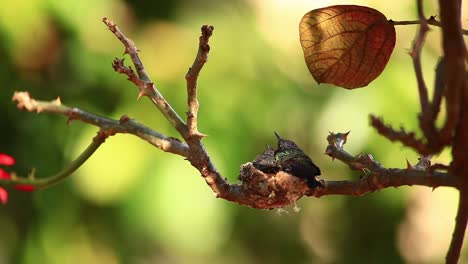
point(277, 136)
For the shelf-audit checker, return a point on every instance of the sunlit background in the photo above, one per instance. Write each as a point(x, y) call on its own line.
point(132, 203)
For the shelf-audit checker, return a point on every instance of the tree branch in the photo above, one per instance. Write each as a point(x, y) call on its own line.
point(416, 56)
point(49, 181)
point(147, 87)
point(439, 88)
point(431, 21)
point(427, 117)
point(458, 235)
point(257, 189)
point(197, 155)
point(456, 125)
point(406, 138)
point(376, 176)
point(124, 125)
point(31, 183)
point(455, 55)
point(192, 76)
point(435, 141)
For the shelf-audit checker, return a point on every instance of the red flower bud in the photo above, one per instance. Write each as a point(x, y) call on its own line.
point(3, 196)
point(6, 160)
point(25, 188)
point(4, 175)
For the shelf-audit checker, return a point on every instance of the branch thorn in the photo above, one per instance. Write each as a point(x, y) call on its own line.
point(408, 165)
point(141, 94)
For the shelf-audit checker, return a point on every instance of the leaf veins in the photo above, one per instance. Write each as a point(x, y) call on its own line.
point(346, 45)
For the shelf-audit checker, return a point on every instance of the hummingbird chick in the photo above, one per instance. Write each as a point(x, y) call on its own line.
point(291, 159)
point(288, 157)
point(266, 162)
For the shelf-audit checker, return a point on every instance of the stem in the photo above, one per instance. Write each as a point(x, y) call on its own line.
point(192, 76)
point(431, 21)
point(377, 176)
point(458, 235)
point(124, 125)
point(82, 158)
point(62, 175)
point(148, 88)
point(197, 155)
point(416, 55)
point(456, 126)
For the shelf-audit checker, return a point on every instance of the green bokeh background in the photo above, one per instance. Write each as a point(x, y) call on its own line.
point(132, 203)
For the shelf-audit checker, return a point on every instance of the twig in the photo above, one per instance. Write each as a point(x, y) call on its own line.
point(458, 235)
point(192, 76)
point(147, 88)
point(239, 193)
point(456, 125)
point(243, 194)
point(197, 156)
point(426, 120)
point(119, 66)
point(407, 139)
point(130, 49)
point(431, 21)
point(281, 188)
point(376, 176)
point(48, 181)
point(124, 125)
point(455, 58)
point(416, 55)
point(439, 88)
point(429, 111)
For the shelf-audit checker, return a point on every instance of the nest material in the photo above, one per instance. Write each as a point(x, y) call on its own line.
point(271, 190)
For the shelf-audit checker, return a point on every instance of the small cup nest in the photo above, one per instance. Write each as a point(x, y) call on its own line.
point(271, 190)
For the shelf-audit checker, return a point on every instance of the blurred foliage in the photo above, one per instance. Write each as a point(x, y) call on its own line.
point(132, 203)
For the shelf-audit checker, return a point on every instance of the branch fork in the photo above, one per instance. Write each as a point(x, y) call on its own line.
point(450, 84)
point(256, 189)
point(266, 191)
point(376, 176)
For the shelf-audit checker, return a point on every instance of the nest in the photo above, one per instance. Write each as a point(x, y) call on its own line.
point(270, 191)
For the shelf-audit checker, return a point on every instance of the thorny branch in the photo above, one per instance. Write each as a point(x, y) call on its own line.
point(191, 77)
point(451, 83)
point(431, 21)
point(435, 140)
point(125, 125)
point(439, 88)
point(244, 194)
point(416, 55)
point(197, 154)
point(406, 138)
point(36, 184)
point(257, 189)
point(426, 117)
point(456, 58)
point(376, 176)
point(266, 191)
point(144, 83)
point(286, 188)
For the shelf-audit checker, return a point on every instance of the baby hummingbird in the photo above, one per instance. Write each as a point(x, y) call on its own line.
point(266, 161)
point(291, 159)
